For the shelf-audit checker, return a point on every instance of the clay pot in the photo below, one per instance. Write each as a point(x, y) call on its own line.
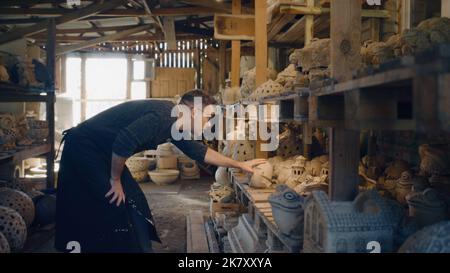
point(403, 187)
point(13, 227)
point(20, 202)
point(427, 207)
point(262, 176)
point(167, 162)
point(222, 176)
point(165, 149)
point(164, 177)
point(287, 211)
point(138, 164)
point(4, 245)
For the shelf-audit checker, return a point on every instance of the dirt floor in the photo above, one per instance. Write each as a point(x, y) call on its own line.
point(169, 205)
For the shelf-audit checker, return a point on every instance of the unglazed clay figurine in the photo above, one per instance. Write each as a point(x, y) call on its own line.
point(262, 176)
point(403, 187)
point(287, 210)
point(427, 206)
point(288, 74)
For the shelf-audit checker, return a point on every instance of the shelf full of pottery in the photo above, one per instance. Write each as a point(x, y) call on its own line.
point(21, 73)
point(397, 86)
point(23, 211)
point(21, 135)
point(162, 166)
point(307, 66)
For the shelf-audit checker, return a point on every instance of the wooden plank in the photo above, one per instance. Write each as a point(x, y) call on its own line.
point(222, 63)
point(169, 33)
point(309, 24)
point(345, 58)
point(118, 35)
point(236, 50)
point(344, 160)
point(445, 8)
point(69, 17)
point(277, 24)
point(405, 8)
point(234, 27)
point(369, 13)
point(345, 39)
point(50, 105)
point(130, 69)
point(196, 240)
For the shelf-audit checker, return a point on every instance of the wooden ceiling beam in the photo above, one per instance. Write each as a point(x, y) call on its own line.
point(115, 36)
point(172, 11)
point(73, 16)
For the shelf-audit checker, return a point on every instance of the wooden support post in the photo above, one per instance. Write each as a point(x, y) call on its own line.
point(307, 128)
point(309, 24)
point(236, 50)
point(222, 63)
point(375, 25)
point(261, 41)
point(345, 58)
point(129, 75)
point(83, 87)
point(63, 84)
point(404, 8)
point(445, 8)
point(197, 64)
point(344, 160)
point(50, 103)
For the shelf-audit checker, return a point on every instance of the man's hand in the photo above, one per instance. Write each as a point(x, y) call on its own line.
point(116, 191)
point(247, 166)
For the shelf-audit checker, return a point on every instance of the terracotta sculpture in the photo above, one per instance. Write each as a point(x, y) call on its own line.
point(262, 176)
point(19, 202)
point(13, 227)
point(249, 81)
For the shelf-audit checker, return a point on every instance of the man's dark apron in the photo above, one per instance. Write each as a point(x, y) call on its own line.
point(84, 215)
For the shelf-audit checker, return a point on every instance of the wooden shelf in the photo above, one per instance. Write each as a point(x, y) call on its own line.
point(15, 93)
point(260, 209)
point(25, 152)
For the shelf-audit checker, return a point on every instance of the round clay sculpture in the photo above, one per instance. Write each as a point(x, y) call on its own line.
point(18, 201)
point(13, 227)
point(4, 245)
point(268, 88)
point(431, 239)
point(262, 176)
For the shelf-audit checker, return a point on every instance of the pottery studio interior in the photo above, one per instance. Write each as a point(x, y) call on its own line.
point(295, 126)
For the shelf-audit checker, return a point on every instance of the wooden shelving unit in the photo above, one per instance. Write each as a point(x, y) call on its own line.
point(15, 93)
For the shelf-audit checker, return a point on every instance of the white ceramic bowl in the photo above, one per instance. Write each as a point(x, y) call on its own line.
point(164, 177)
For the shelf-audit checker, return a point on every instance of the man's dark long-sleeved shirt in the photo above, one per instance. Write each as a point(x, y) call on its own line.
point(135, 126)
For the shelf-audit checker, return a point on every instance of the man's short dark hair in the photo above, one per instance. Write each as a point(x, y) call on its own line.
point(188, 98)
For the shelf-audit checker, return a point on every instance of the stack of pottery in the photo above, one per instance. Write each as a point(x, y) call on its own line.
point(288, 212)
point(167, 165)
point(166, 157)
point(139, 167)
point(188, 168)
point(427, 207)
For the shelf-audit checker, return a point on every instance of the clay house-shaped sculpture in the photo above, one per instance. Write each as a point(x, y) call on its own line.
point(349, 226)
